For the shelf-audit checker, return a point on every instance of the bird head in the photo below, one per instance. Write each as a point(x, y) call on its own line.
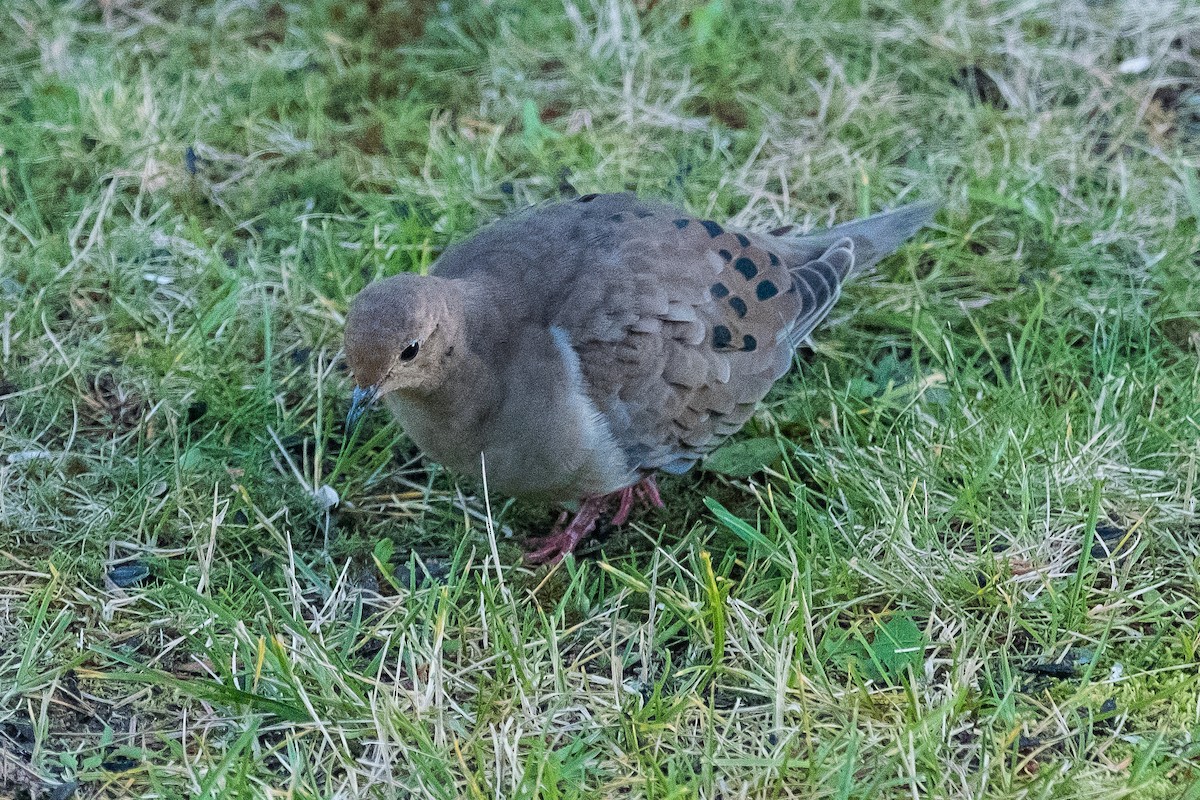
point(399, 337)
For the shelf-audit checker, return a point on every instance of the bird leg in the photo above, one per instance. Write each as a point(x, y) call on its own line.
point(553, 548)
point(645, 490)
point(624, 505)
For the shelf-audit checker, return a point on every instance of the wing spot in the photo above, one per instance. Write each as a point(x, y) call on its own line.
point(774, 259)
point(766, 290)
point(643, 213)
point(725, 255)
point(721, 337)
point(738, 305)
point(617, 218)
point(743, 240)
point(746, 267)
point(682, 223)
point(749, 344)
point(719, 290)
point(714, 230)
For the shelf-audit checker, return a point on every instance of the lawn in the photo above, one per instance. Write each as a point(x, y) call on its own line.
point(956, 553)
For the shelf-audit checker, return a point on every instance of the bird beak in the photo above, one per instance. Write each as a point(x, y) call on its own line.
point(360, 401)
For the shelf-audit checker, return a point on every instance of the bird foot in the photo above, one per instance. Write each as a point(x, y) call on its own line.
point(553, 548)
point(563, 540)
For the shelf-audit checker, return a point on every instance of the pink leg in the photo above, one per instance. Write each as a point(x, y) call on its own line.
point(553, 548)
point(624, 506)
point(647, 490)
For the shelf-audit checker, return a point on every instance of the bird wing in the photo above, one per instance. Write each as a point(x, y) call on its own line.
point(685, 324)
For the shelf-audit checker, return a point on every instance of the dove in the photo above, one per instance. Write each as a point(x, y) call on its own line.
point(572, 351)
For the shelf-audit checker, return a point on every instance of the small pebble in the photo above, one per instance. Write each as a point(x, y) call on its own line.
point(127, 575)
point(196, 410)
point(1134, 65)
point(1109, 541)
point(119, 764)
point(426, 571)
point(1053, 669)
point(64, 791)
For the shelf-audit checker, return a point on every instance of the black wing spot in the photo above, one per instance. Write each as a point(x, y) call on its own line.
point(738, 305)
point(719, 290)
point(746, 267)
point(774, 259)
point(766, 290)
point(725, 254)
point(743, 240)
point(721, 337)
point(617, 218)
point(749, 344)
point(587, 198)
point(682, 223)
point(714, 230)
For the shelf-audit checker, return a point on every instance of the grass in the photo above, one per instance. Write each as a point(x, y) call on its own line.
point(955, 555)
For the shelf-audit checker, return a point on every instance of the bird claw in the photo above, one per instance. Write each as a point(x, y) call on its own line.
point(551, 549)
point(563, 540)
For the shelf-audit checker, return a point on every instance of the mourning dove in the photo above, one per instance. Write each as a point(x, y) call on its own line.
point(575, 349)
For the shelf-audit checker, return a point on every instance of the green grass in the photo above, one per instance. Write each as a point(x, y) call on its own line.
point(189, 199)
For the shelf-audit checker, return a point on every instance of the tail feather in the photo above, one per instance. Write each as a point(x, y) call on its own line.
point(874, 237)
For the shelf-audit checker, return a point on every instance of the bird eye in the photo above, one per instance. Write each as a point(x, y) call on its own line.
point(410, 352)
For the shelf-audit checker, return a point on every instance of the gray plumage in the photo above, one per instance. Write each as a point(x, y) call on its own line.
point(582, 345)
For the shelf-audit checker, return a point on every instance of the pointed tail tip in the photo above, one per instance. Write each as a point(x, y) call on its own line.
point(913, 216)
point(886, 231)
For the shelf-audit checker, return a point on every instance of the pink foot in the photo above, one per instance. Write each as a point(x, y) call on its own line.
point(553, 548)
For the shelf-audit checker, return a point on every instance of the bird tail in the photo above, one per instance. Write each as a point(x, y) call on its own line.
point(874, 237)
